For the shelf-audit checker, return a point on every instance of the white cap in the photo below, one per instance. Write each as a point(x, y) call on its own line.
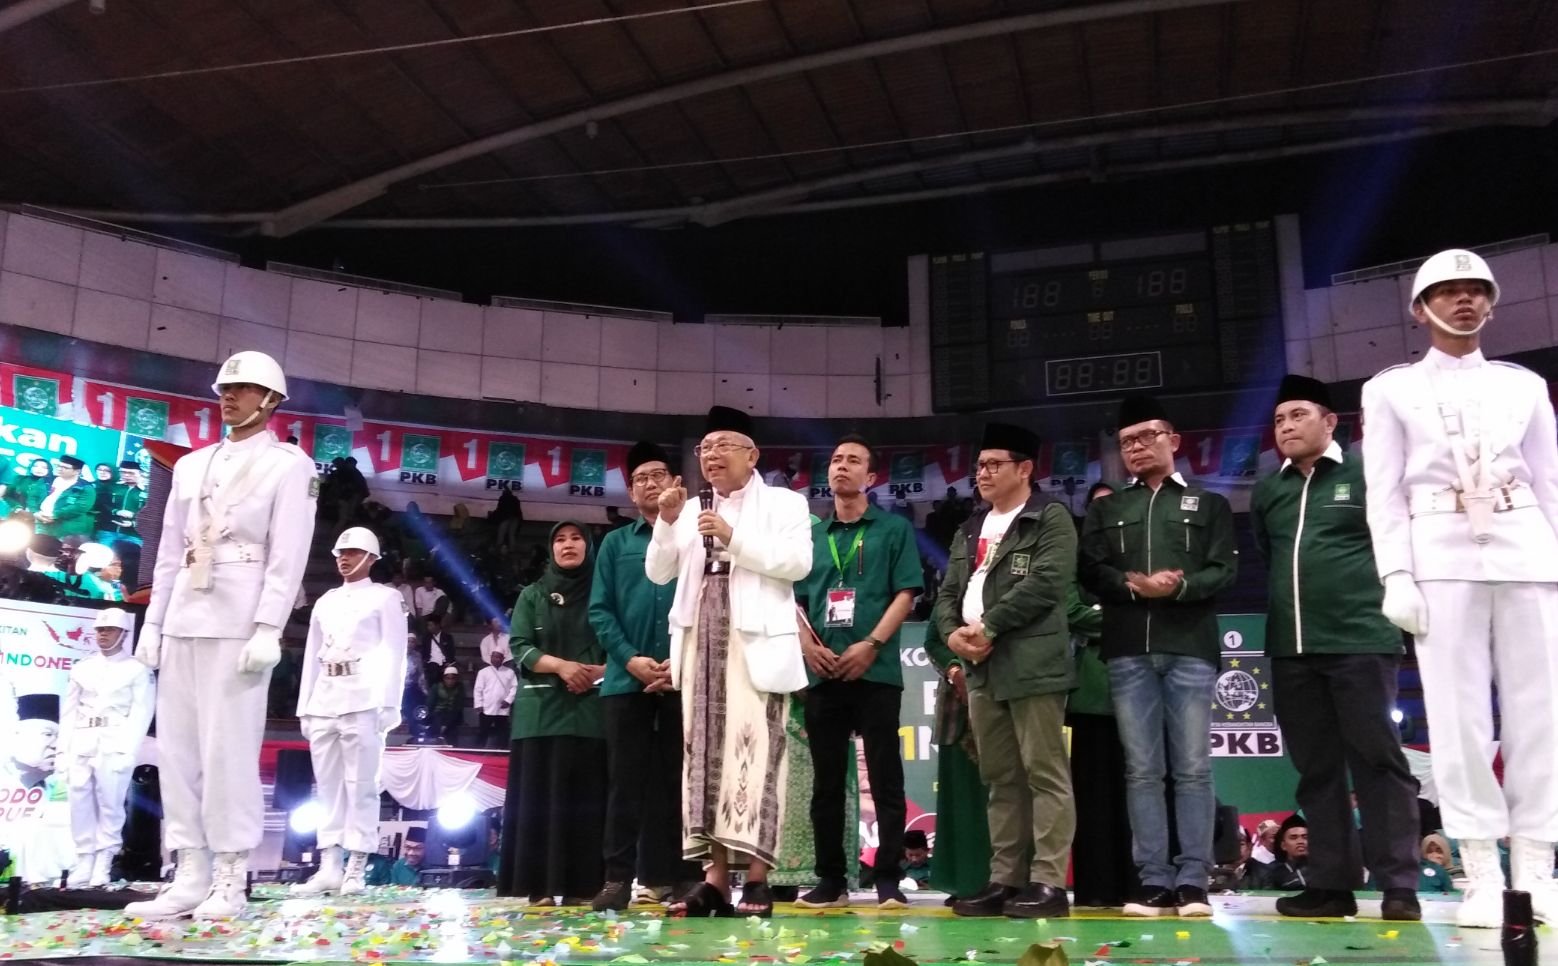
point(357, 538)
point(254, 367)
point(93, 556)
point(1450, 265)
point(114, 617)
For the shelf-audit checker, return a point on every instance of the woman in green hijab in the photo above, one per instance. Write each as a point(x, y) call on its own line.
point(554, 815)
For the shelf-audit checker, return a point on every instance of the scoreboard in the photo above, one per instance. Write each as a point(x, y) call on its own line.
point(1203, 319)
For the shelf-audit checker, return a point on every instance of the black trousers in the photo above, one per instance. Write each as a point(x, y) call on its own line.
point(1334, 710)
point(493, 731)
point(1103, 872)
point(835, 711)
point(644, 795)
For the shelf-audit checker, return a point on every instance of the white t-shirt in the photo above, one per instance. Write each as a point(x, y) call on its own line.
point(990, 536)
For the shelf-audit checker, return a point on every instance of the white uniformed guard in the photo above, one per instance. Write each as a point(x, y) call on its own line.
point(1461, 456)
point(235, 540)
point(353, 669)
point(108, 707)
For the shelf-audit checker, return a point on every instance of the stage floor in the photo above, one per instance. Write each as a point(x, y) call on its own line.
point(446, 926)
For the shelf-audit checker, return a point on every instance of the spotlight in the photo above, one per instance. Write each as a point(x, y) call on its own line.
point(306, 817)
point(14, 536)
point(1396, 715)
point(457, 812)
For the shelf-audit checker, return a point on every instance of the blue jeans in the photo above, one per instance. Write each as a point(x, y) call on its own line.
point(1167, 699)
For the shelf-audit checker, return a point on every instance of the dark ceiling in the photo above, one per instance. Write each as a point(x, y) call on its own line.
point(656, 113)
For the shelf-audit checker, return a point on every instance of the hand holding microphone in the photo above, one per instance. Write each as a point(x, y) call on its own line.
point(711, 524)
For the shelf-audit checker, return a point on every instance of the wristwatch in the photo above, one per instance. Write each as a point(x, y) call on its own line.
point(875, 644)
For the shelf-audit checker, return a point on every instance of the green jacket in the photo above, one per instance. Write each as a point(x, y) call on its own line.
point(1024, 598)
point(1086, 619)
point(1325, 590)
point(1176, 527)
point(544, 707)
point(75, 512)
point(628, 611)
point(885, 563)
point(124, 499)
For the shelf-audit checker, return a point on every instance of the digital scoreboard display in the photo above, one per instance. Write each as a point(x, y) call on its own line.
point(1203, 319)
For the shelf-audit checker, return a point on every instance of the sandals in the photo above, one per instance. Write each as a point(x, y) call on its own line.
point(702, 901)
point(760, 896)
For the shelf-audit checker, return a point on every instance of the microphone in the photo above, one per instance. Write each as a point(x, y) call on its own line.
point(706, 501)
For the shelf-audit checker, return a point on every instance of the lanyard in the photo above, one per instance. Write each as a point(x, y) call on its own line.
point(860, 536)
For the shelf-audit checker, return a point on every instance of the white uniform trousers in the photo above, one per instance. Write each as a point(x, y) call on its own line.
point(347, 750)
point(98, 786)
point(210, 725)
point(1481, 633)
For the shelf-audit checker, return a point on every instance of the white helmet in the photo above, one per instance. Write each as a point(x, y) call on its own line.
point(114, 617)
point(1450, 265)
point(254, 367)
point(357, 538)
point(93, 556)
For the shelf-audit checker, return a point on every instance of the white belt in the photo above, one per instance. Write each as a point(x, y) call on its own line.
point(229, 552)
point(1433, 499)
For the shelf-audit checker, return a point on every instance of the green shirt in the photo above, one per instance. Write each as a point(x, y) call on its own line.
point(1176, 527)
point(403, 874)
point(628, 612)
point(75, 511)
point(879, 558)
point(544, 707)
point(1324, 586)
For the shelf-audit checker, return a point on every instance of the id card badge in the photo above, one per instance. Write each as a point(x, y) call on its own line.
point(841, 607)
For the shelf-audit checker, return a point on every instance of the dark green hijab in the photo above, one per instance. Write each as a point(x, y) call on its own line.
point(563, 612)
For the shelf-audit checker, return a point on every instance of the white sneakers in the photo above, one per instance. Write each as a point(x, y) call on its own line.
point(327, 879)
point(356, 878)
point(191, 884)
point(102, 868)
point(80, 876)
point(1482, 905)
point(1531, 868)
point(228, 884)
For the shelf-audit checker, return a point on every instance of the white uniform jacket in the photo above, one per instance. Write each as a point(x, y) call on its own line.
point(1411, 470)
point(355, 657)
point(770, 549)
point(495, 690)
point(261, 547)
point(109, 704)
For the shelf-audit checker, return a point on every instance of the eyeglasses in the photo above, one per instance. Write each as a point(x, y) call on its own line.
point(653, 476)
point(990, 466)
point(1142, 439)
point(717, 449)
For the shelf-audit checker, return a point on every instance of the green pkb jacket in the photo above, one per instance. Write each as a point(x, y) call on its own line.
point(1091, 695)
point(1176, 527)
point(544, 707)
point(627, 610)
point(1025, 601)
point(1325, 590)
point(75, 512)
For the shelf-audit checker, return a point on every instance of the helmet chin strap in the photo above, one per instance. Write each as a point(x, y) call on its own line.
point(366, 561)
point(249, 421)
point(1451, 330)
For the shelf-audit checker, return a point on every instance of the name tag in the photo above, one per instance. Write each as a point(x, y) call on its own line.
point(841, 607)
point(1342, 493)
point(1190, 503)
point(1019, 564)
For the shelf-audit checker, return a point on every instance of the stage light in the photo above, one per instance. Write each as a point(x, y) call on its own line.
point(457, 812)
point(14, 536)
point(306, 817)
point(1396, 715)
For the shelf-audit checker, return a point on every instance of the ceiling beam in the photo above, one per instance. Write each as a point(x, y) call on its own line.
point(24, 10)
point(311, 211)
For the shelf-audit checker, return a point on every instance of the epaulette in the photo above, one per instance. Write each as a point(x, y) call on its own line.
point(1510, 365)
point(1399, 365)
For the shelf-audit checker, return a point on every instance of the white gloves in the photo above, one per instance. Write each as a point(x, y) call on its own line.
point(1404, 605)
point(149, 650)
point(262, 651)
point(389, 719)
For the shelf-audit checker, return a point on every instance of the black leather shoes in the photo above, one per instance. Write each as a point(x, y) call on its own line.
point(1038, 901)
point(1318, 904)
point(989, 901)
point(1400, 905)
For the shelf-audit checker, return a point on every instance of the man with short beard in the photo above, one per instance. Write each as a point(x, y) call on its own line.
point(864, 577)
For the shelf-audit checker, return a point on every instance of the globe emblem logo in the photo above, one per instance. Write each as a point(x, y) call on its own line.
point(35, 399)
point(505, 463)
point(146, 423)
point(1237, 691)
